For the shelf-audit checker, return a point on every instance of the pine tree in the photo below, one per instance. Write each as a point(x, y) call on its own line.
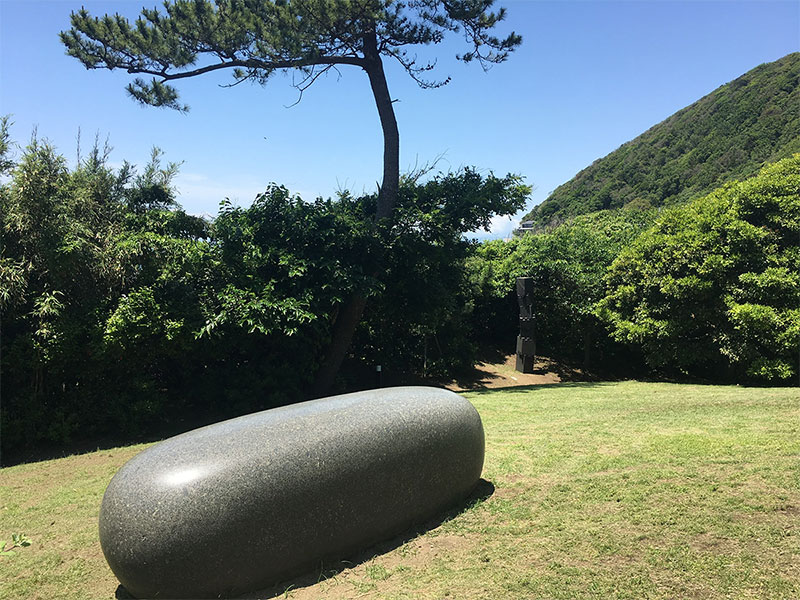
point(256, 38)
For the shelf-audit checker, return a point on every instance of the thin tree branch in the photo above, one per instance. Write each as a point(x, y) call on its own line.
point(251, 64)
point(308, 81)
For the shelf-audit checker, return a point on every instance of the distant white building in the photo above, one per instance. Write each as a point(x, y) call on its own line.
point(524, 227)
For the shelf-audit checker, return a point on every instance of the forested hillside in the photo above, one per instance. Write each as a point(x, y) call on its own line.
point(727, 135)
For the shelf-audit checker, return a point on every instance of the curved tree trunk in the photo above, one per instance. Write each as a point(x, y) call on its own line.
point(387, 197)
point(350, 313)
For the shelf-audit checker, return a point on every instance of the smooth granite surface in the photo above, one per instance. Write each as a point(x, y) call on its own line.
point(239, 505)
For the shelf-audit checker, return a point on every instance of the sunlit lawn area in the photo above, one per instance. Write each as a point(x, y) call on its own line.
point(601, 490)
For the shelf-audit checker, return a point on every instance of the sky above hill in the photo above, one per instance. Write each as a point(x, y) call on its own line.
point(589, 76)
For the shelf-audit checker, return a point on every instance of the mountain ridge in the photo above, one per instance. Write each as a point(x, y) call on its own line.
point(726, 135)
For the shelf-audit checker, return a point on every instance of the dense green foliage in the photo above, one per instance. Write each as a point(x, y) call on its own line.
point(713, 289)
point(727, 135)
point(256, 38)
point(88, 257)
point(568, 266)
point(120, 312)
point(424, 322)
point(708, 290)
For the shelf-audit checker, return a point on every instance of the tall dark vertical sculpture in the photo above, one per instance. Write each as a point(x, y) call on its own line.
point(526, 340)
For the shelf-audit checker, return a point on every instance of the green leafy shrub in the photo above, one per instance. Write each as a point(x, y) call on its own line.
point(568, 266)
point(713, 289)
point(422, 321)
point(123, 315)
point(92, 295)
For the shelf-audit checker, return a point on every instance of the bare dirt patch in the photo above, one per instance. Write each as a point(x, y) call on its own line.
point(502, 374)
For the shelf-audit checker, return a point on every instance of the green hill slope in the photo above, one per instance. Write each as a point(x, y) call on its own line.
point(729, 134)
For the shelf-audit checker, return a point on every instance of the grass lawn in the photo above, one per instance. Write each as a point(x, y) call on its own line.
point(601, 490)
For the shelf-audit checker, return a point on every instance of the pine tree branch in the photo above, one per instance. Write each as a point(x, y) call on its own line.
point(250, 64)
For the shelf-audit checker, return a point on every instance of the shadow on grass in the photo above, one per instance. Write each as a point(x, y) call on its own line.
point(41, 452)
point(331, 568)
point(541, 386)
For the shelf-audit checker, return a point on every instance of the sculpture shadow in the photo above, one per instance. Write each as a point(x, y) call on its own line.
point(330, 568)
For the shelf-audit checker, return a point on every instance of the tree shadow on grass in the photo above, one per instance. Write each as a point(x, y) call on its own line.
point(330, 568)
point(113, 439)
point(543, 386)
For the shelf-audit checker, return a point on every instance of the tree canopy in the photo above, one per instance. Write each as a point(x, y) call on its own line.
point(567, 266)
point(713, 289)
point(256, 38)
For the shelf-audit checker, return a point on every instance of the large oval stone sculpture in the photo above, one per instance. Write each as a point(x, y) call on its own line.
point(237, 506)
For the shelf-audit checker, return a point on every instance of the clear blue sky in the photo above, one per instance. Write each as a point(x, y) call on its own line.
point(589, 76)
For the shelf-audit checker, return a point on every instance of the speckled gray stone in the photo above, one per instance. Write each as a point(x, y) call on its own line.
point(237, 506)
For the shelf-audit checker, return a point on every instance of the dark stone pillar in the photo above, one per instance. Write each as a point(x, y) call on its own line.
point(526, 340)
